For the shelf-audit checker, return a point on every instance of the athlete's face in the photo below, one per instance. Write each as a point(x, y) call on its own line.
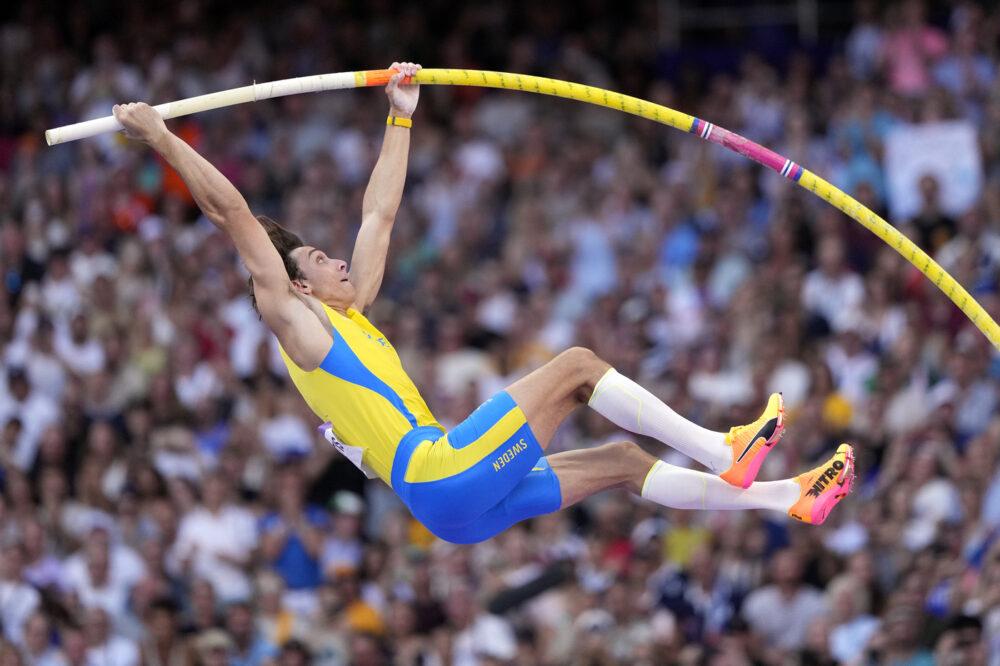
point(325, 278)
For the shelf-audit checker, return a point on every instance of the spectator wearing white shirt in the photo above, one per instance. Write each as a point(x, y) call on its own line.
point(971, 392)
point(90, 260)
point(76, 346)
point(195, 380)
point(42, 568)
point(215, 541)
point(18, 600)
point(832, 290)
point(851, 365)
point(38, 648)
point(35, 411)
point(73, 642)
point(105, 648)
point(479, 636)
point(59, 293)
point(45, 369)
point(100, 579)
point(782, 611)
point(852, 624)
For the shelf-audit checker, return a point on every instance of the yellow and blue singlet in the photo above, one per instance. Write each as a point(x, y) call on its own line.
point(465, 485)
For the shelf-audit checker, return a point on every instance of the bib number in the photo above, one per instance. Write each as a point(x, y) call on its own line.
point(355, 454)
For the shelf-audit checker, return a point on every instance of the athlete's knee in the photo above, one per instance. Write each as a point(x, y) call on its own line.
point(578, 357)
point(625, 450)
point(630, 464)
point(586, 368)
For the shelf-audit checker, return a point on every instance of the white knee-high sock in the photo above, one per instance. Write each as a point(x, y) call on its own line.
point(681, 488)
point(629, 406)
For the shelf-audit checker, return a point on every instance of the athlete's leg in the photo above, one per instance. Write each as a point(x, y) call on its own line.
point(578, 376)
point(625, 465)
point(563, 479)
point(808, 497)
point(550, 393)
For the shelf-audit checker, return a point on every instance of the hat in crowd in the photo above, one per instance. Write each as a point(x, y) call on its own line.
point(348, 503)
point(214, 639)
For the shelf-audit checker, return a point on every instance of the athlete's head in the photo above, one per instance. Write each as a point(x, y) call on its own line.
point(309, 269)
point(322, 277)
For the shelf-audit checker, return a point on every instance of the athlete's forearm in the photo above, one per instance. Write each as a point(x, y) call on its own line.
point(385, 188)
point(212, 191)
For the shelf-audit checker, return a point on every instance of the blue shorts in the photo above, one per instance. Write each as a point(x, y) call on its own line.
point(479, 479)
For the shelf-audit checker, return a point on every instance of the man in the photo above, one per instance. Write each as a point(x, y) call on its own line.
point(292, 537)
point(215, 540)
point(18, 600)
point(781, 611)
point(489, 471)
point(37, 648)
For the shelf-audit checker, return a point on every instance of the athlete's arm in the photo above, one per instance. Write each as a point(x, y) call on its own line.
point(385, 189)
point(298, 330)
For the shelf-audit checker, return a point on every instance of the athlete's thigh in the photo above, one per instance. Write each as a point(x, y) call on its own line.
point(549, 394)
point(537, 493)
point(454, 479)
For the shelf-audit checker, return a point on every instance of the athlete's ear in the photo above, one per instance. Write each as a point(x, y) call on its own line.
point(301, 286)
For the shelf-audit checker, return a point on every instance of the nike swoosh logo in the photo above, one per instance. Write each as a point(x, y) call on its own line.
point(766, 431)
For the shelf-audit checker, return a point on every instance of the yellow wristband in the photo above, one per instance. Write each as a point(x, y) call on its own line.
point(396, 121)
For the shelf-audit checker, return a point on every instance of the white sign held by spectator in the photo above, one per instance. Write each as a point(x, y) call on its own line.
point(948, 151)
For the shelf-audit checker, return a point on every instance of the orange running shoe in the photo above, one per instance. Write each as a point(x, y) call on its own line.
point(824, 486)
point(751, 443)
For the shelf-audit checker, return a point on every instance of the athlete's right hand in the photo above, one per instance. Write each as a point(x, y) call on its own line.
point(141, 121)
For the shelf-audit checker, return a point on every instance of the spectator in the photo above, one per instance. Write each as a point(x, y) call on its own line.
point(898, 642)
point(213, 648)
point(102, 573)
point(18, 600)
point(832, 291)
point(162, 647)
point(342, 549)
point(782, 611)
point(961, 643)
point(103, 647)
point(74, 646)
point(328, 632)
point(32, 408)
point(479, 635)
point(38, 648)
point(910, 49)
point(249, 648)
point(852, 624)
point(77, 348)
point(702, 601)
point(934, 227)
point(291, 538)
point(215, 540)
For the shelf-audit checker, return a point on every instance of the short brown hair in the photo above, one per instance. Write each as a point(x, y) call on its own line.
point(284, 242)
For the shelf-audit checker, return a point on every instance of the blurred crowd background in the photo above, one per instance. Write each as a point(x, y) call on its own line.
point(166, 500)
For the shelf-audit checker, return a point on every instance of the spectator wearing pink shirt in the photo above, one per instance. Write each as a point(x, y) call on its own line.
point(911, 48)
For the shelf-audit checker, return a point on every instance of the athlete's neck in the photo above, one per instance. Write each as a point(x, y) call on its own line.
point(338, 307)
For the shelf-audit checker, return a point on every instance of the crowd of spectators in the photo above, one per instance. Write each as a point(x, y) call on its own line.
point(166, 500)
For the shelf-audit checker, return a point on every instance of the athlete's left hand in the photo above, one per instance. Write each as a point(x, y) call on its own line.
point(402, 96)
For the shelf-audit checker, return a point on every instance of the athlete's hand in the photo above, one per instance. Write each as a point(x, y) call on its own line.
point(402, 96)
point(141, 121)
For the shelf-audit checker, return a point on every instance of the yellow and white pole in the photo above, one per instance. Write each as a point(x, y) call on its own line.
point(633, 105)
